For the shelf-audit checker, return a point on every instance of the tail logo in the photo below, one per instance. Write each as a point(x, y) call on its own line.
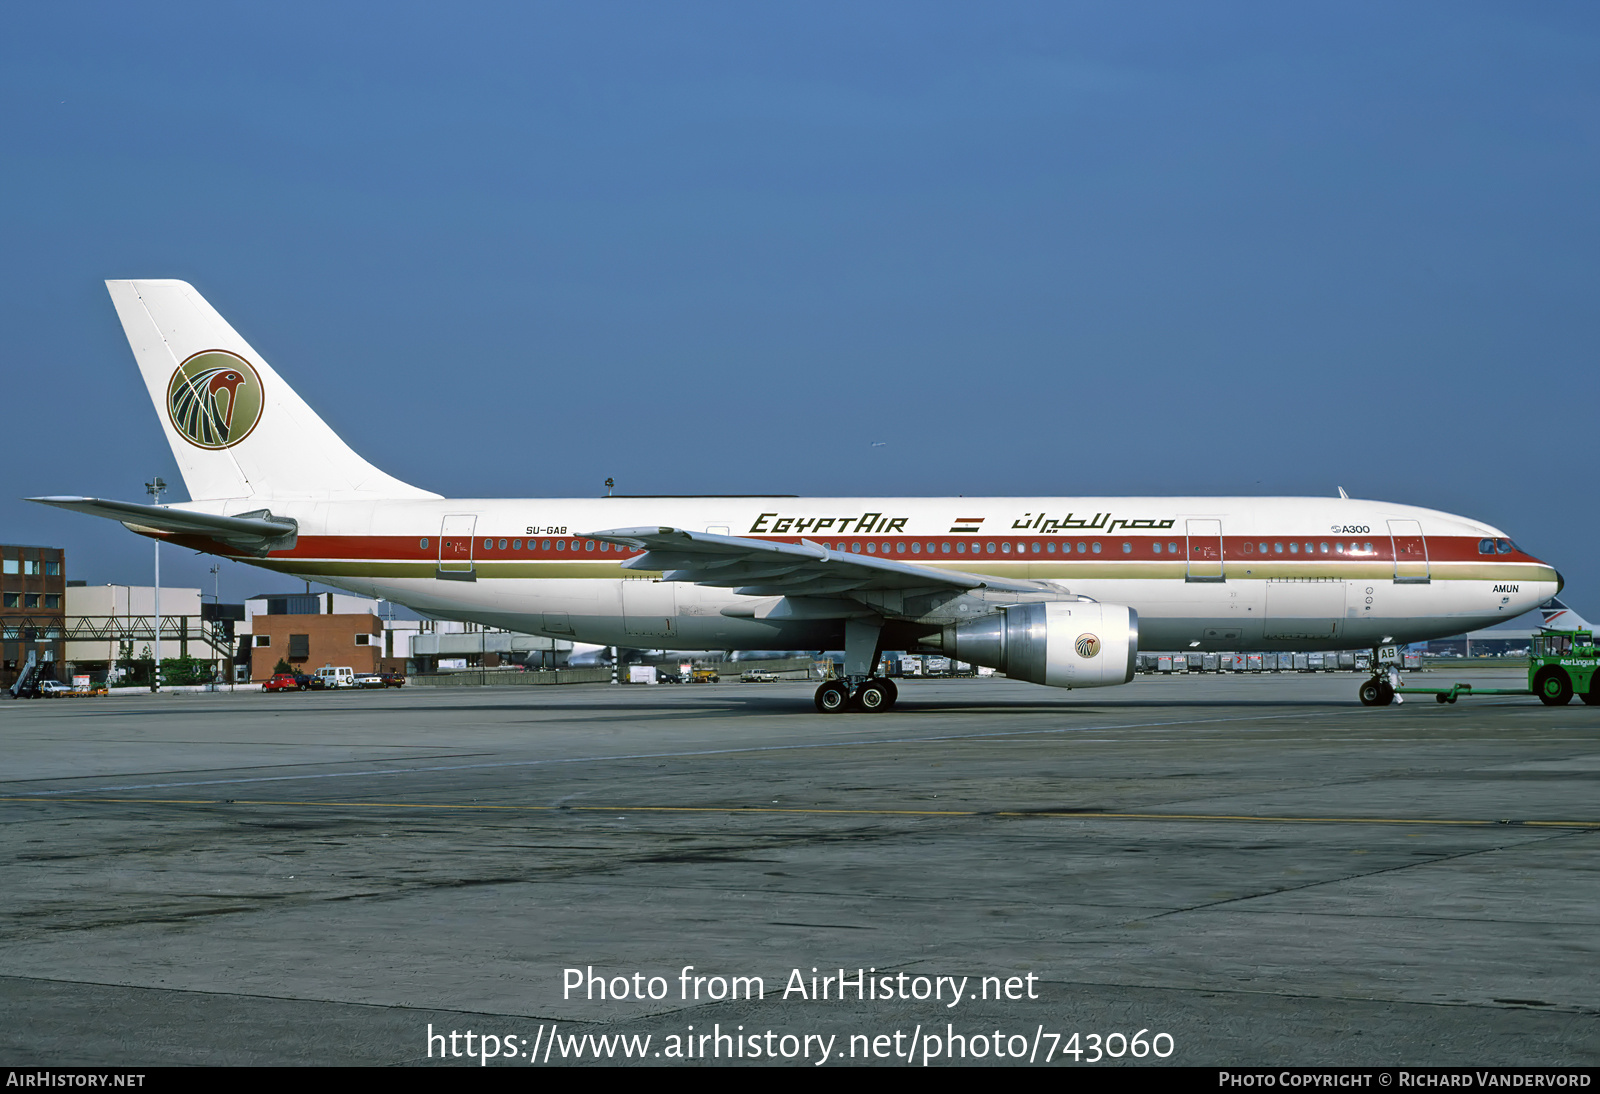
point(1087, 645)
point(214, 399)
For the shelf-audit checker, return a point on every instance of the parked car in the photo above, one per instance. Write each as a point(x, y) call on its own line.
point(369, 680)
point(52, 689)
point(341, 677)
point(283, 681)
point(756, 676)
point(393, 679)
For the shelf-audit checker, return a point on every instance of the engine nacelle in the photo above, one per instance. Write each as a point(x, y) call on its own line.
point(1072, 644)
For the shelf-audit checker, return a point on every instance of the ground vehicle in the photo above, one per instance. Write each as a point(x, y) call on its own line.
point(51, 689)
point(369, 680)
point(1562, 664)
point(393, 679)
point(340, 677)
point(756, 676)
point(704, 676)
point(283, 681)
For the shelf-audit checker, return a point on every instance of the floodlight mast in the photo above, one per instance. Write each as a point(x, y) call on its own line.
point(155, 489)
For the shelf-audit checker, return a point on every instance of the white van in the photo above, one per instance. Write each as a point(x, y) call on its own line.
point(331, 677)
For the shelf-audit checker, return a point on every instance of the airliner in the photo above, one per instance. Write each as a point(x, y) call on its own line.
point(1060, 591)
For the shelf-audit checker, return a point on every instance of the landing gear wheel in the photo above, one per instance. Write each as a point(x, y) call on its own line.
point(1370, 695)
point(894, 692)
point(832, 697)
point(874, 697)
point(1554, 689)
point(1385, 693)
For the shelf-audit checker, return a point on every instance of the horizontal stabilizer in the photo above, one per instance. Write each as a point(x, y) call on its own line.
point(257, 532)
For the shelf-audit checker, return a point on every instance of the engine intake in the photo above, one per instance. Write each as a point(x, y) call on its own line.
point(1060, 644)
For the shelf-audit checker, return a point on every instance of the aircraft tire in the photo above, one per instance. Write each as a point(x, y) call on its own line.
point(832, 698)
point(894, 692)
point(1371, 694)
point(874, 697)
point(1553, 687)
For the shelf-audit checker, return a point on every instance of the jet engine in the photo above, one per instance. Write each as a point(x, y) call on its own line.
point(1073, 644)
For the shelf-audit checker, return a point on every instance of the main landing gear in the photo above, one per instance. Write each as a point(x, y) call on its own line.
point(871, 696)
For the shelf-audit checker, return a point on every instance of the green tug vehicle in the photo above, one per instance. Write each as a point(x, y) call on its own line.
point(1561, 664)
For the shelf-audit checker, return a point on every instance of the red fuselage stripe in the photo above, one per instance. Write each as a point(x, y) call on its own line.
point(1235, 549)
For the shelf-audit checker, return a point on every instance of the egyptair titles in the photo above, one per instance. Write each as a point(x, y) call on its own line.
point(1099, 522)
point(872, 524)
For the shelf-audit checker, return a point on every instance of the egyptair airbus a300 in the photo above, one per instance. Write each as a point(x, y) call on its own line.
point(1059, 591)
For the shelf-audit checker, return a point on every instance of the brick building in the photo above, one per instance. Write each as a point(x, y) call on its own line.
point(33, 587)
point(302, 630)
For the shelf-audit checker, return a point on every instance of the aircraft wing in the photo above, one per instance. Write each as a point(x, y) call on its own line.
point(760, 567)
point(257, 532)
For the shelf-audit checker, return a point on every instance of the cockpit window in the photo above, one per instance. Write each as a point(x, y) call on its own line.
point(1504, 546)
point(1486, 546)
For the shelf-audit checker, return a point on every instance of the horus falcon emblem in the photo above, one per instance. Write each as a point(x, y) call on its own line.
point(214, 399)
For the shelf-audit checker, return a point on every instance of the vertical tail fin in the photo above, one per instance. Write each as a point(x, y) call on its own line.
point(236, 429)
point(1558, 616)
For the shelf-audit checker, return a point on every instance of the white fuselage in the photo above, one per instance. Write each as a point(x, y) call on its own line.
point(1202, 573)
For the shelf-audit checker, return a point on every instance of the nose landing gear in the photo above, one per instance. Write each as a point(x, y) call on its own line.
point(1377, 692)
point(1381, 690)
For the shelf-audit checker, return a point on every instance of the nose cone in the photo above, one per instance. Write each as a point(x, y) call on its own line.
point(1561, 583)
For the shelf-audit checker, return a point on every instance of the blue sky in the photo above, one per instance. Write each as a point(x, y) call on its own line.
point(512, 250)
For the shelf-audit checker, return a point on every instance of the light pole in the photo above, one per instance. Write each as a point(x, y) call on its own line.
point(216, 622)
point(156, 489)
